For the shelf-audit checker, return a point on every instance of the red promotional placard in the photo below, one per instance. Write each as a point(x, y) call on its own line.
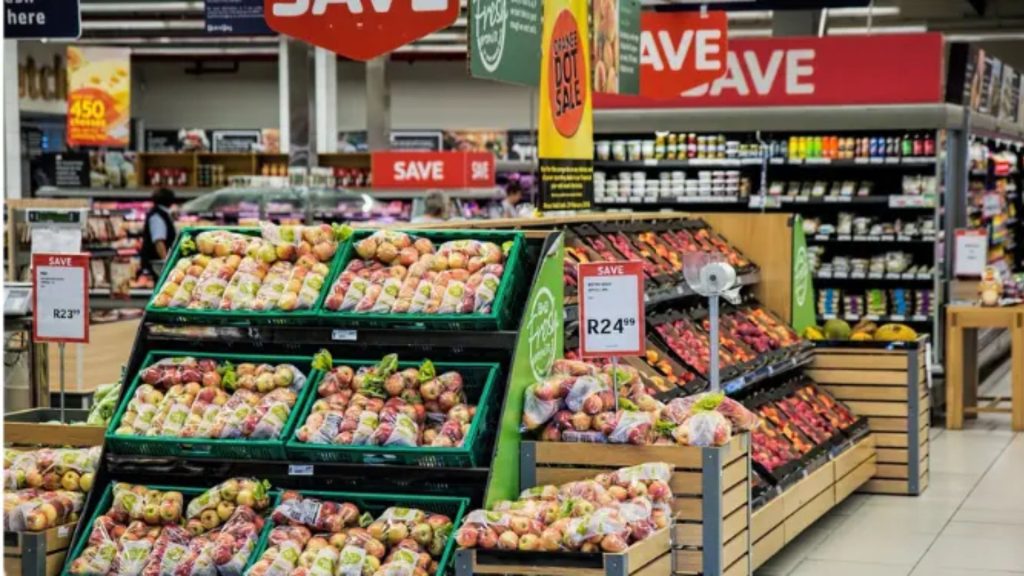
point(611, 309)
point(60, 298)
point(804, 71)
point(359, 29)
point(681, 50)
point(414, 169)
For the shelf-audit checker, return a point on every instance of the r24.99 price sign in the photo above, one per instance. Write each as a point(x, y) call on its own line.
point(611, 305)
point(60, 309)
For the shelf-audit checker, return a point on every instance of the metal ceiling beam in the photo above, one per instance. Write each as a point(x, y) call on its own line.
point(980, 6)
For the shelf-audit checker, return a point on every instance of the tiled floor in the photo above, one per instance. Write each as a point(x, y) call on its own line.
point(969, 522)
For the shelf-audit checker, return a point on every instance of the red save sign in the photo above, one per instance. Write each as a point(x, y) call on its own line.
point(359, 29)
point(60, 297)
point(681, 50)
point(412, 169)
point(611, 308)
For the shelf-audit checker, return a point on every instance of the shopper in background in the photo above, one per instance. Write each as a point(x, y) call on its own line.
point(513, 197)
point(435, 208)
point(159, 233)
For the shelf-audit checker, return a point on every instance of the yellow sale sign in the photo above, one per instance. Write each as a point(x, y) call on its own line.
point(99, 96)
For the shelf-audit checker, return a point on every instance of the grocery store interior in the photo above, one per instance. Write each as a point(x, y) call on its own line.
point(550, 288)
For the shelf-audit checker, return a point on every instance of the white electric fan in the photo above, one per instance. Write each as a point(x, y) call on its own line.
point(708, 274)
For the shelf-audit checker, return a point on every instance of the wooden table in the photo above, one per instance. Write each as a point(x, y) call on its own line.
point(962, 324)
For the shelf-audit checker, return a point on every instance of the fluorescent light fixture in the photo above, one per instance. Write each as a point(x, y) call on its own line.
point(749, 32)
point(864, 12)
point(984, 37)
point(749, 15)
point(130, 25)
point(429, 49)
point(139, 7)
point(861, 30)
point(169, 40)
point(205, 51)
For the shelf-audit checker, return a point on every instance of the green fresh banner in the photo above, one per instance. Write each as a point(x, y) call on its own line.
point(504, 40)
point(803, 289)
point(541, 341)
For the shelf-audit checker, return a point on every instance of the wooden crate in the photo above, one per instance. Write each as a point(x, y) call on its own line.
point(37, 553)
point(711, 488)
point(29, 428)
point(888, 384)
point(782, 519)
point(650, 557)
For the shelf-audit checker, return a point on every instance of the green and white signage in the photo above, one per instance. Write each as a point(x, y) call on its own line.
point(504, 40)
point(803, 289)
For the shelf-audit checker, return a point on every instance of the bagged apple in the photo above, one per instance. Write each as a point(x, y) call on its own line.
point(238, 491)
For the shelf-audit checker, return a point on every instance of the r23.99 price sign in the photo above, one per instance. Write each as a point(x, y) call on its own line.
point(611, 306)
point(60, 309)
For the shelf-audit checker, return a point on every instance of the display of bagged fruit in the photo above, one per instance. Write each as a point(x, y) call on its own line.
point(318, 537)
point(71, 469)
point(605, 514)
point(189, 397)
point(380, 405)
point(578, 402)
point(396, 273)
point(148, 532)
point(34, 510)
point(282, 269)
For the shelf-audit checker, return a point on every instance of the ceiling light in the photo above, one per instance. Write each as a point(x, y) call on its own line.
point(856, 31)
point(130, 25)
point(864, 12)
point(151, 7)
point(749, 32)
point(200, 51)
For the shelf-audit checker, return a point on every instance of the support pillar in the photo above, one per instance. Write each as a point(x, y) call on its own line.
point(326, 64)
point(12, 122)
point(378, 104)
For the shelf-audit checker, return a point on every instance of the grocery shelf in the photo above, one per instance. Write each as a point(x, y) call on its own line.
point(865, 162)
point(681, 163)
point(869, 239)
point(781, 369)
point(877, 276)
point(915, 318)
point(107, 193)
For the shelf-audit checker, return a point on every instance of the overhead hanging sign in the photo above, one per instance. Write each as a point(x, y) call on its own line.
point(566, 126)
point(616, 46)
point(680, 51)
point(411, 169)
point(60, 307)
point(360, 29)
point(504, 40)
point(42, 19)
point(235, 17)
point(802, 71)
point(611, 308)
point(99, 96)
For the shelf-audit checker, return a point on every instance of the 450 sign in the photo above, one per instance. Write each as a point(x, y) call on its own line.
point(360, 29)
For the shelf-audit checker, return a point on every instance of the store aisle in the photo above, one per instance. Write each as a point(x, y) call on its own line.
point(970, 521)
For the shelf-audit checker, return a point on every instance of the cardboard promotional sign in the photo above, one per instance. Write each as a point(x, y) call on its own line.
point(616, 46)
point(412, 169)
point(504, 41)
point(42, 19)
point(680, 51)
point(802, 71)
point(566, 126)
point(611, 308)
point(360, 29)
point(99, 96)
point(60, 297)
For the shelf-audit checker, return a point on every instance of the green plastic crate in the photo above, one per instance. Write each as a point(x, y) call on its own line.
point(107, 499)
point(235, 317)
point(170, 446)
point(479, 383)
point(453, 507)
point(500, 316)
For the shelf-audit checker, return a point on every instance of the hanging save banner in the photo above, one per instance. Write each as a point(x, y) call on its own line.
point(566, 126)
point(680, 51)
point(99, 96)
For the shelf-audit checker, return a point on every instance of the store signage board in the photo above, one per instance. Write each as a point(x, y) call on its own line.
point(616, 43)
point(60, 306)
point(243, 17)
point(430, 140)
point(504, 41)
point(418, 170)
point(360, 29)
point(970, 253)
point(42, 19)
point(566, 123)
point(611, 309)
point(522, 145)
point(802, 71)
point(99, 96)
point(237, 140)
point(680, 51)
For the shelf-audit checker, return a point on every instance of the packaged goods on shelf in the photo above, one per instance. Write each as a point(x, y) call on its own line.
point(851, 147)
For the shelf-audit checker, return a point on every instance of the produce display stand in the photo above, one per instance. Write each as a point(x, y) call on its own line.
point(888, 383)
point(710, 486)
point(783, 518)
point(34, 427)
point(37, 553)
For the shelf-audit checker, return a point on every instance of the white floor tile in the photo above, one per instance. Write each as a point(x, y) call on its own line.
point(888, 546)
point(832, 568)
point(937, 571)
point(886, 516)
point(989, 515)
point(789, 557)
point(978, 546)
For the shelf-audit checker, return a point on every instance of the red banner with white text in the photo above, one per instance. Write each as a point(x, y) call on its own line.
point(414, 169)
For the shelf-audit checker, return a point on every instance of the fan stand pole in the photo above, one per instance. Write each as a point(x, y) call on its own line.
point(713, 360)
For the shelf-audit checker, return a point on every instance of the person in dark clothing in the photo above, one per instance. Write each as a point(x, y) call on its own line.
point(159, 232)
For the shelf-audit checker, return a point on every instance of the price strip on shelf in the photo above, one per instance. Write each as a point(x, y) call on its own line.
point(60, 309)
point(611, 306)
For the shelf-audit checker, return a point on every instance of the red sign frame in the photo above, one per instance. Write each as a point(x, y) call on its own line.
point(598, 269)
point(419, 169)
point(816, 71)
point(67, 261)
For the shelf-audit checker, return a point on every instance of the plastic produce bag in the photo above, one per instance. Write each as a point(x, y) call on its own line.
point(632, 428)
point(240, 490)
point(536, 412)
point(707, 429)
point(583, 393)
point(98, 556)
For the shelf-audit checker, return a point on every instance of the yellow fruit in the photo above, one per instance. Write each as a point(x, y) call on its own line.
point(895, 333)
point(861, 337)
point(813, 333)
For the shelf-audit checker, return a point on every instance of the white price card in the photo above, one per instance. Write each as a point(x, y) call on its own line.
point(60, 310)
point(970, 254)
point(611, 309)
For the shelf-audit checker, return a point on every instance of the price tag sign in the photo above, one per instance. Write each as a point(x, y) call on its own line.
point(60, 309)
point(970, 254)
point(611, 308)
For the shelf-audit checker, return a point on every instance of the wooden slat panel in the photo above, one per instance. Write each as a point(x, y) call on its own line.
point(829, 360)
point(688, 561)
point(738, 568)
point(854, 456)
point(808, 514)
point(735, 548)
point(807, 489)
point(887, 424)
point(890, 440)
point(734, 523)
point(687, 509)
point(862, 377)
point(693, 534)
point(885, 393)
point(767, 517)
point(644, 552)
point(616, 455)
point(855, 479)
point(897, 409)
point(768, 546)
point(734, 498)
point(892, 471)
point(734, 473)
point(876, 486)
point(892, 456)
point(659, 567)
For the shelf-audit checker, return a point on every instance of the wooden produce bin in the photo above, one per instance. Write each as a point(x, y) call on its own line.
point(648, 557)
point(711, 488)
point(782, 519)
point(29, 428)
point(37, 553)
point(887, 383)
